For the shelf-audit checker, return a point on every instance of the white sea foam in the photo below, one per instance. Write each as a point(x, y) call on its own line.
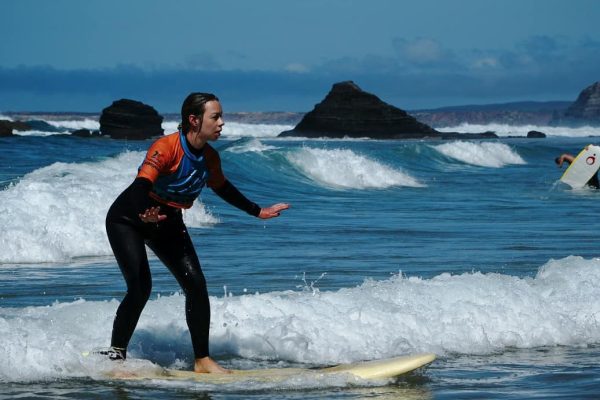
point(170, 126)
point(57, 212)
point(40, 133)
point(251, 146)
point(231, 130)
point(237, 130)
point(504, 130)
point(483, 154)
point(342, 168)
point(87, 123)
point(471, 313)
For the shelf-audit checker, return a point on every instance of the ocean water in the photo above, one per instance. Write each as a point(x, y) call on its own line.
point(468, 249)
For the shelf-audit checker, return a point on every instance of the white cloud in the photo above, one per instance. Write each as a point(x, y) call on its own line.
point(297, 68)
point(420, 50)
point(486, 62)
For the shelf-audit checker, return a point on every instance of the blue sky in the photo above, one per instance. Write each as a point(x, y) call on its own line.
point(284, 55)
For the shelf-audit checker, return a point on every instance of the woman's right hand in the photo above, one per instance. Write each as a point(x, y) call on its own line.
point(273, 211)
point(152, 215)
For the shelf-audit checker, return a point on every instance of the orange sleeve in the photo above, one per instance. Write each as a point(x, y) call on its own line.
point(158, 159)
point(216, 178)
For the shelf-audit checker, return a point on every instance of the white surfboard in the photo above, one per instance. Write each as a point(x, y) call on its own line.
point(378, 369)
point(583, 167)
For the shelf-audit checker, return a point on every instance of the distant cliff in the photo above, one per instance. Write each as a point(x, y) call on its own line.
point(518, 113)
point(586, 109)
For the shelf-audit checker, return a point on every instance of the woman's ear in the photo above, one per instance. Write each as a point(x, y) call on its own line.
point(195, 121)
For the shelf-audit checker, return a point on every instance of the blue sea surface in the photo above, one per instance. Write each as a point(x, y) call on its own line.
point(470, 249)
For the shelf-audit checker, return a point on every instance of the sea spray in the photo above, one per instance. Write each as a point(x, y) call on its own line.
point(234, 130)
point(56, 213)
point(250, 146)
point(470, 313)
point(483, 154)
point(345, 169)
point(505, 130)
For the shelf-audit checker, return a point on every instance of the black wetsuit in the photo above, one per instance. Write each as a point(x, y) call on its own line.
point(593, 182)
point(170, 241)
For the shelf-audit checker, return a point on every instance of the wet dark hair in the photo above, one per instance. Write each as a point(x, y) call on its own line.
point(194, 104)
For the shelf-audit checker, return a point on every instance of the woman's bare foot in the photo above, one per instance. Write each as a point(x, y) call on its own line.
point(208, 365)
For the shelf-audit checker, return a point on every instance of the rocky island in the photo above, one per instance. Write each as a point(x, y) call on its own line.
point(348, 111)
point(130, 119)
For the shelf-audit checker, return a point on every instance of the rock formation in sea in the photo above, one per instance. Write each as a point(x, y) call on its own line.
point(85, 133)
point(5, 128)
point(586, 109)
point(348, 111)
point(130, 119)
point(536, 135)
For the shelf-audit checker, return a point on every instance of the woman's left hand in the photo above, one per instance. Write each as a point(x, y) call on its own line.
point(152, 215)
point(273, 211)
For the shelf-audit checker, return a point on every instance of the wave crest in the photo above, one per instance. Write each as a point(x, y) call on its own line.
point(483, 154)
point(341, 168)
point(57, 213)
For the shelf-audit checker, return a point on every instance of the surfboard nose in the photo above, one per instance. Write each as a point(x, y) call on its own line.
point(386, 368)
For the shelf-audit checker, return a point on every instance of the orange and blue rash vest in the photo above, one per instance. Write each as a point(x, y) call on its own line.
point(177, 174)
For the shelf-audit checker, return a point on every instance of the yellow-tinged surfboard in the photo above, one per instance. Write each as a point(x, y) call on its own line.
point(378, 369)
point(583, 167)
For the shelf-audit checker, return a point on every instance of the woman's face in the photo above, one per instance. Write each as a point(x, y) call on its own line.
point(211, 123)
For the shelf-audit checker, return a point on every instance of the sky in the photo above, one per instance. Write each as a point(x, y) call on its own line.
point(284, 55)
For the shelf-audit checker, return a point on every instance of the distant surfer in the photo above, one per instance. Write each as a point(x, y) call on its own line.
point(174, 171)
point(566, 157)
